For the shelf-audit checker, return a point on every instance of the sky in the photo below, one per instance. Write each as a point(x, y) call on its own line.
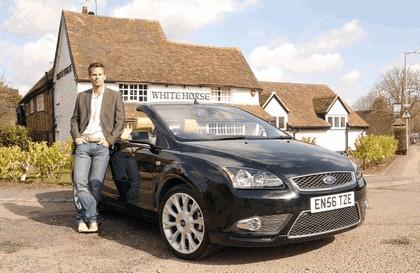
point(346, 45)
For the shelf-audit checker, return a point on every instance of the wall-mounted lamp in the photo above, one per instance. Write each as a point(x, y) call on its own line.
point(253, 93)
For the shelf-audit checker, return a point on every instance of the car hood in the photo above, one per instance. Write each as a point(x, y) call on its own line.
point(290, 157)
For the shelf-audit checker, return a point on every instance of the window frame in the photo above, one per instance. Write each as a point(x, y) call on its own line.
point(40, 106)
point(220, 94)
point(337, 121)
point(134, 92)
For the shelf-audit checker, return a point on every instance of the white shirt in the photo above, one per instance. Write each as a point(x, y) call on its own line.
point(94, 127)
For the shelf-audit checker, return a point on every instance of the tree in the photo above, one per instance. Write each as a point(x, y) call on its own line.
point(391, 87)
point(9, 100)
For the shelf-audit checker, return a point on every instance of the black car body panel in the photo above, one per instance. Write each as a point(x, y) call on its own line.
point(203, 162)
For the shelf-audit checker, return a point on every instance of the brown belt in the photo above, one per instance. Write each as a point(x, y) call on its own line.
point(92, 139)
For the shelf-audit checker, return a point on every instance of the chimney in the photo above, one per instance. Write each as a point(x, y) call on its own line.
point(84, 10)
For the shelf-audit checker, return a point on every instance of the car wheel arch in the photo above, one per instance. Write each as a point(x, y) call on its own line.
point(176, 174)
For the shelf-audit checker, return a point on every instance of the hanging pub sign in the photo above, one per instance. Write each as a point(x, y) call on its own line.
point(64, 72)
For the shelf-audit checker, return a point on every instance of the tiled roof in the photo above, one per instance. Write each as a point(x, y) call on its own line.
point(380, 121)
point(255, 110)
point(305, 101)
point(323, 104)
point(135, 50)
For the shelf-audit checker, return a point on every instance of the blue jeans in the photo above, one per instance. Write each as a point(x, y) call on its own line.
point(90, 162)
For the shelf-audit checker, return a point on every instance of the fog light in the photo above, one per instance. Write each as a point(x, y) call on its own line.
point(366, 203)
point(251, 224)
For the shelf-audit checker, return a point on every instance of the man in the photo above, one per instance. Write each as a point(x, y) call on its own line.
point(96, 124)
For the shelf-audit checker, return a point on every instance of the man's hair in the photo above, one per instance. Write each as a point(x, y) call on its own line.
point(95, 65)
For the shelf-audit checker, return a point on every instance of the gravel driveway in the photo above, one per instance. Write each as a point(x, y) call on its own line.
point(37, 234)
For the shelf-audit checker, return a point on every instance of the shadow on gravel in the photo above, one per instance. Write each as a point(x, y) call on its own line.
point(236, 255)
point(145, 236)
point(57, 209)
point(51, 206)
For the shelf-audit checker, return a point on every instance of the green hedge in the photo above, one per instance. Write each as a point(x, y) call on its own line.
point(374, 150)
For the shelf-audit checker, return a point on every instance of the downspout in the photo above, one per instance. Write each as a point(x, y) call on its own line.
point(295, 132)
point(49, 85)
point(346, 151)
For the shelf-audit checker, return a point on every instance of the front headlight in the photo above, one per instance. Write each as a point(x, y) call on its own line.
point(359, 175)
point(357, 170)
point(247, 178)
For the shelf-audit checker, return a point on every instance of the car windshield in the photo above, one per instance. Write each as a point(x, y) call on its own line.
point(197, 122)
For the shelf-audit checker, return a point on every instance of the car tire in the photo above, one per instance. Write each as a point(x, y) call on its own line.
point(182, 224)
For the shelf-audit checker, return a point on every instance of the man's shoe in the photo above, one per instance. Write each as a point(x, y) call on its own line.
point(82, 227)
point(93, 227)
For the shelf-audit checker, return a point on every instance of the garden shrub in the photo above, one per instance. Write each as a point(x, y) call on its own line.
point(45, 160)
point(374, 150)
point(12, 163)
point(309, 140)
point(11, 135)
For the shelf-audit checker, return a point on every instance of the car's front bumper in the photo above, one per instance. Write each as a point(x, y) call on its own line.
point(288, 220)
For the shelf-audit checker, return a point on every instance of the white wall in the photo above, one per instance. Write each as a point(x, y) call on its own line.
point(179, 93)
point(338, 109)
point(244, 96)
point(64, 90)
point(334, 140)
point(353, 135)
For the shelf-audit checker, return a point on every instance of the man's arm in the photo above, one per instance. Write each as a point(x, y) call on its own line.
point(119, 119)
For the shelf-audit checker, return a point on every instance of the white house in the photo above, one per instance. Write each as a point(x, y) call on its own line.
point(145, 67)
point(314, 112)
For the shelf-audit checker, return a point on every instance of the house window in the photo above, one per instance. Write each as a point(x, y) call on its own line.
point(343, 122)
point(337, 121)
point(31, 106)
point(133, 92)
point(280, 122)
point(220, 94)
point(40, 103)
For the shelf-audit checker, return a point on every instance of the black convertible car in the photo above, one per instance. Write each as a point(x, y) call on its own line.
point(217, 175)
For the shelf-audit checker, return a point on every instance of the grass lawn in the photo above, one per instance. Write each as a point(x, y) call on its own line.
point(32, 181)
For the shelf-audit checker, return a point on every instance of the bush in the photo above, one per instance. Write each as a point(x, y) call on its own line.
point(309, 140)
point(45, 160)
point(12, 163)
point(49, 160)
point(14, 135)
point(374, 150)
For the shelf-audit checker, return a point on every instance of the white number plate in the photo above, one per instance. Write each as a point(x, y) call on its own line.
point(331, 202)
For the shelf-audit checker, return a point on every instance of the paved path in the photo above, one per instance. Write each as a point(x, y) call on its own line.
point(404, 170)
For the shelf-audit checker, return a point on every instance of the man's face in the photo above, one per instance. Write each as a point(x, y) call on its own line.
point(97, 76)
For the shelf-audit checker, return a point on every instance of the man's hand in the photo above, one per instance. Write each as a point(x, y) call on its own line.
point(79, 141)
point(105, 143)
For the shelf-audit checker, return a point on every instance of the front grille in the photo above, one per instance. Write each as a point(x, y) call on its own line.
point(315, 181)
point(271, 224)
point(310, 224)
